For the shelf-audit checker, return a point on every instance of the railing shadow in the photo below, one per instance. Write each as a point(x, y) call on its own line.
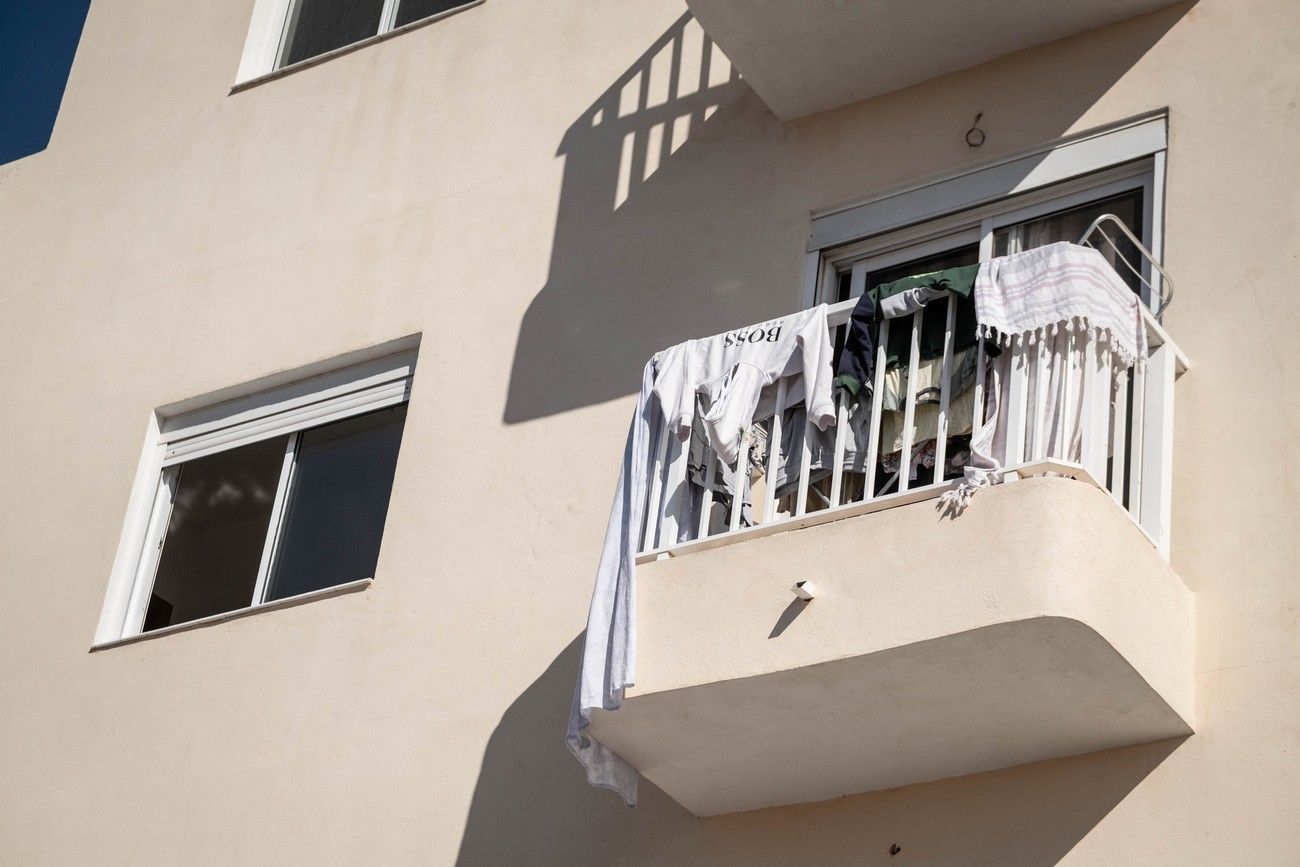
point(623, 281)
point(532, 804)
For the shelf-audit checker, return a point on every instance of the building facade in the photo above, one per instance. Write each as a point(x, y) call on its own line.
point(465, 229)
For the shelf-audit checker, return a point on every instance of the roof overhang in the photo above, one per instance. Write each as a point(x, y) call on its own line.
point(806, 57)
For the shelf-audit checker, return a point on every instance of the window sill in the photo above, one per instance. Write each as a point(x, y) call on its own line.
point(288, 602)
point(348, 49)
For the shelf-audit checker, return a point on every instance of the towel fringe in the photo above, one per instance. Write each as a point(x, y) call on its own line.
point(1121, 358)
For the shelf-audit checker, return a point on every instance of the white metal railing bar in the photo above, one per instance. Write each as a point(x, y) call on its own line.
point(877, 412)
point(977, 413)
point(1097, 405)
point(1136, 414)
point(857, 287)
point(805, 468)
point(945, 379)
point(1042, 375)
point(1067, 404)
point(1017, 401)
point(739, 481)
point(838, 314)
point(706, 496)
point(1157, 336)
point(1157, 445)
point(837, 463)
point(655, 491)
point(909, 402)
point(676, 493)
point(1119, 438)
point(774, 453)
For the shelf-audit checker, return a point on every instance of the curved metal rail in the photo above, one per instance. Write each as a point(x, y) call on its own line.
point(1165, 292)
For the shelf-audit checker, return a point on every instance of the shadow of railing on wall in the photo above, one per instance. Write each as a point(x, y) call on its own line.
point(623, 281)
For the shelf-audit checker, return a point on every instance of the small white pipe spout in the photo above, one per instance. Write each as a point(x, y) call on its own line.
point(804, 590)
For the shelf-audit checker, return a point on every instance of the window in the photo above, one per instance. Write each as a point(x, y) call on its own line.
point(315, 27)
point(264, 498)
point(1061, 212)
point(1002, 206)
point(1067, 224)
point(1057, 212)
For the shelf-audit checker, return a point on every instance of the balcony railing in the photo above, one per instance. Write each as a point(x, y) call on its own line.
point(1125, 444)
point(1045, 644)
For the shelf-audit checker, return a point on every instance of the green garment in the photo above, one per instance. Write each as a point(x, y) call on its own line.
point(958, 281)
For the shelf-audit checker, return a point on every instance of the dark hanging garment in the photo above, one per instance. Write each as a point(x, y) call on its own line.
point(856, 364)
point(856, 359)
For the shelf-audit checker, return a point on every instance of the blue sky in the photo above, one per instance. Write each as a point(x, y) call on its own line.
point(38, 39)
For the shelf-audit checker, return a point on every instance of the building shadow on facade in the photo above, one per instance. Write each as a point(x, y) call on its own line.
point(682, 208)
point(675, 221)
point(666, 139)
point(532, 805)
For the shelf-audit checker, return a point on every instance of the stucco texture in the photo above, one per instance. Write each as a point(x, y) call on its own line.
point(495, 182)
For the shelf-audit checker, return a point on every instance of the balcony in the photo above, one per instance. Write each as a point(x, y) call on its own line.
point(802, 58)
point(1042, 621)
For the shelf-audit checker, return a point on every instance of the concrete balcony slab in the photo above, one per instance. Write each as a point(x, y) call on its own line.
point(802, 58)
point(1041, 623)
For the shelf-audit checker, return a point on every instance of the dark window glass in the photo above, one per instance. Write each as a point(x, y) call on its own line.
point(414, 10)
point(843, 286)
point(318, 26)
point(343, 475)
point(214, 540)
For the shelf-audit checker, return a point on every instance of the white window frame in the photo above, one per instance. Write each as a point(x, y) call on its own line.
point(929, 218)
point(272, 22)
point(283, 405)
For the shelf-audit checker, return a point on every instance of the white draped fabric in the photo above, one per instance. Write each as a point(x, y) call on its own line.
point(1051, 301)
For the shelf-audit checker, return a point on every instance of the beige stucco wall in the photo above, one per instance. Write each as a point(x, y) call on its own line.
point(463, 181)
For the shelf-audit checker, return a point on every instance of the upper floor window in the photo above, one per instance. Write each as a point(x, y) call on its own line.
point(315, 27)
point(286, 32)
point(1043, 223)
point(260, 499)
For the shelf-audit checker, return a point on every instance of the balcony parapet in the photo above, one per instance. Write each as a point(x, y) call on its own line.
point(1041, 624)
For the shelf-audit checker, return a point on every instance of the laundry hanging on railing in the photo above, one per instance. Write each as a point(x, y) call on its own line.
point(857, 360)
point(734, 378)
point(1032, 294)
point(1061, 305)
point(1055, 300)
point(731, 378)
point(857, 429)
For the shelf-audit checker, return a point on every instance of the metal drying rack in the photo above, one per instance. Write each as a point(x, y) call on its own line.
point(1165, 290)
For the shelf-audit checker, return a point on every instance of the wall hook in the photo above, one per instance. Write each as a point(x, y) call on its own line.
point(975, 135)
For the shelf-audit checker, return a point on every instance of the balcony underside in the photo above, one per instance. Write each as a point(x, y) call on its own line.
point(802, 58)
point(1041, 623)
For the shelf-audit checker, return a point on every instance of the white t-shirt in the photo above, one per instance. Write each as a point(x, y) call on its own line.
point(736, 375)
